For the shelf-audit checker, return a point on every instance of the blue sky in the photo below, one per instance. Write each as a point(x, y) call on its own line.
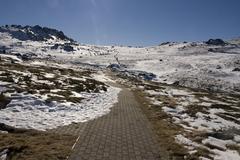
point(129, 22)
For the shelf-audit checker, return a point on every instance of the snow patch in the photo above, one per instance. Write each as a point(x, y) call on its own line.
point(29, 111)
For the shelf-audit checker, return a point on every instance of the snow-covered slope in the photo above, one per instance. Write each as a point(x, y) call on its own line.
point(195, 65)
point(43, 41)
point(235, 41)
point(213, 65)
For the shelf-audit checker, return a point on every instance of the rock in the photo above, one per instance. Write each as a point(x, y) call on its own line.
point(55, 46)
point(211, 50)
point(114, 67)
point(68, 48)
point(34, 33)
point(3, 49)
point(237, 138)
point(236, 70)
point(165, 43)
point(216, 42)
point(26, 56)
point(147, 76)
point(218, 67)
point(193, 44)
point(4, 127)
point(221, 135)
point(176, 83)
point(4, 101)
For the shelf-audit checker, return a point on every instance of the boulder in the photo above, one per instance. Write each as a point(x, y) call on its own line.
point(218, 67)
point(147, 76)
point(165, 43)
point(114, 67)
point(216, 42)
point(55, 46)
point(236, 70)
point(68, 48)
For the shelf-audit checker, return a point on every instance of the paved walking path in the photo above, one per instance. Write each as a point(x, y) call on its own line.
point(123, 134)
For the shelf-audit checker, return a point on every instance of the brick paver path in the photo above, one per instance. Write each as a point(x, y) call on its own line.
point(123, 134)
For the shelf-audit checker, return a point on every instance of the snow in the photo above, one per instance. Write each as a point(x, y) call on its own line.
point(29, 111)
point(3, 132)
point(204, 158)
point(155, 93)
point(237, 138)
point(187, 142)
point(209, 121)
point(202, 121)
point(4, 83)
point(207, 104)
point(228, 154)
point(191, 67)
point(11, 57)
point(189, 64)
point(101, 77)
point(2, 89)
point(55, 90)
point(36, 80)
point(206, 120)
point(221, 144)
point(177, 92)
point(49, 75)
point(3, 154)
point(184, 64)
point(75, 94)
point(221, 153)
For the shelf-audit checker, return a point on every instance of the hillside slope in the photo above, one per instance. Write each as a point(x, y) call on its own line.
point(212, 65)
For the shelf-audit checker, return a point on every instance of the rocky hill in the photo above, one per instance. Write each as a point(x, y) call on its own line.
point(42, 42)
point(34, 33)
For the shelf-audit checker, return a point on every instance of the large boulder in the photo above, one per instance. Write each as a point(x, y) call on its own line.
point(236, 70)
point(66, 47)
point(147, 76)
point(114, 67)
point(216, 42)
point(55, 46)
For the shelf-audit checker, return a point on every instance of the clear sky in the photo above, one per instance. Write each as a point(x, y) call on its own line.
point(129, 22)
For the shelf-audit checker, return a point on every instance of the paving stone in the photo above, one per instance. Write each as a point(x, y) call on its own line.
point(125, 133)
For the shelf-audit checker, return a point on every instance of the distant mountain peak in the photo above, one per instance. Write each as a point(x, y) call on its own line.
point(34, 33)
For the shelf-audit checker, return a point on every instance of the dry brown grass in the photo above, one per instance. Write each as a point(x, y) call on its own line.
point(192, 110)
point(201, 152)
point(164, 129)
point(4, 101)
point(34, 145)
point(65, 79)
point(234, 147)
